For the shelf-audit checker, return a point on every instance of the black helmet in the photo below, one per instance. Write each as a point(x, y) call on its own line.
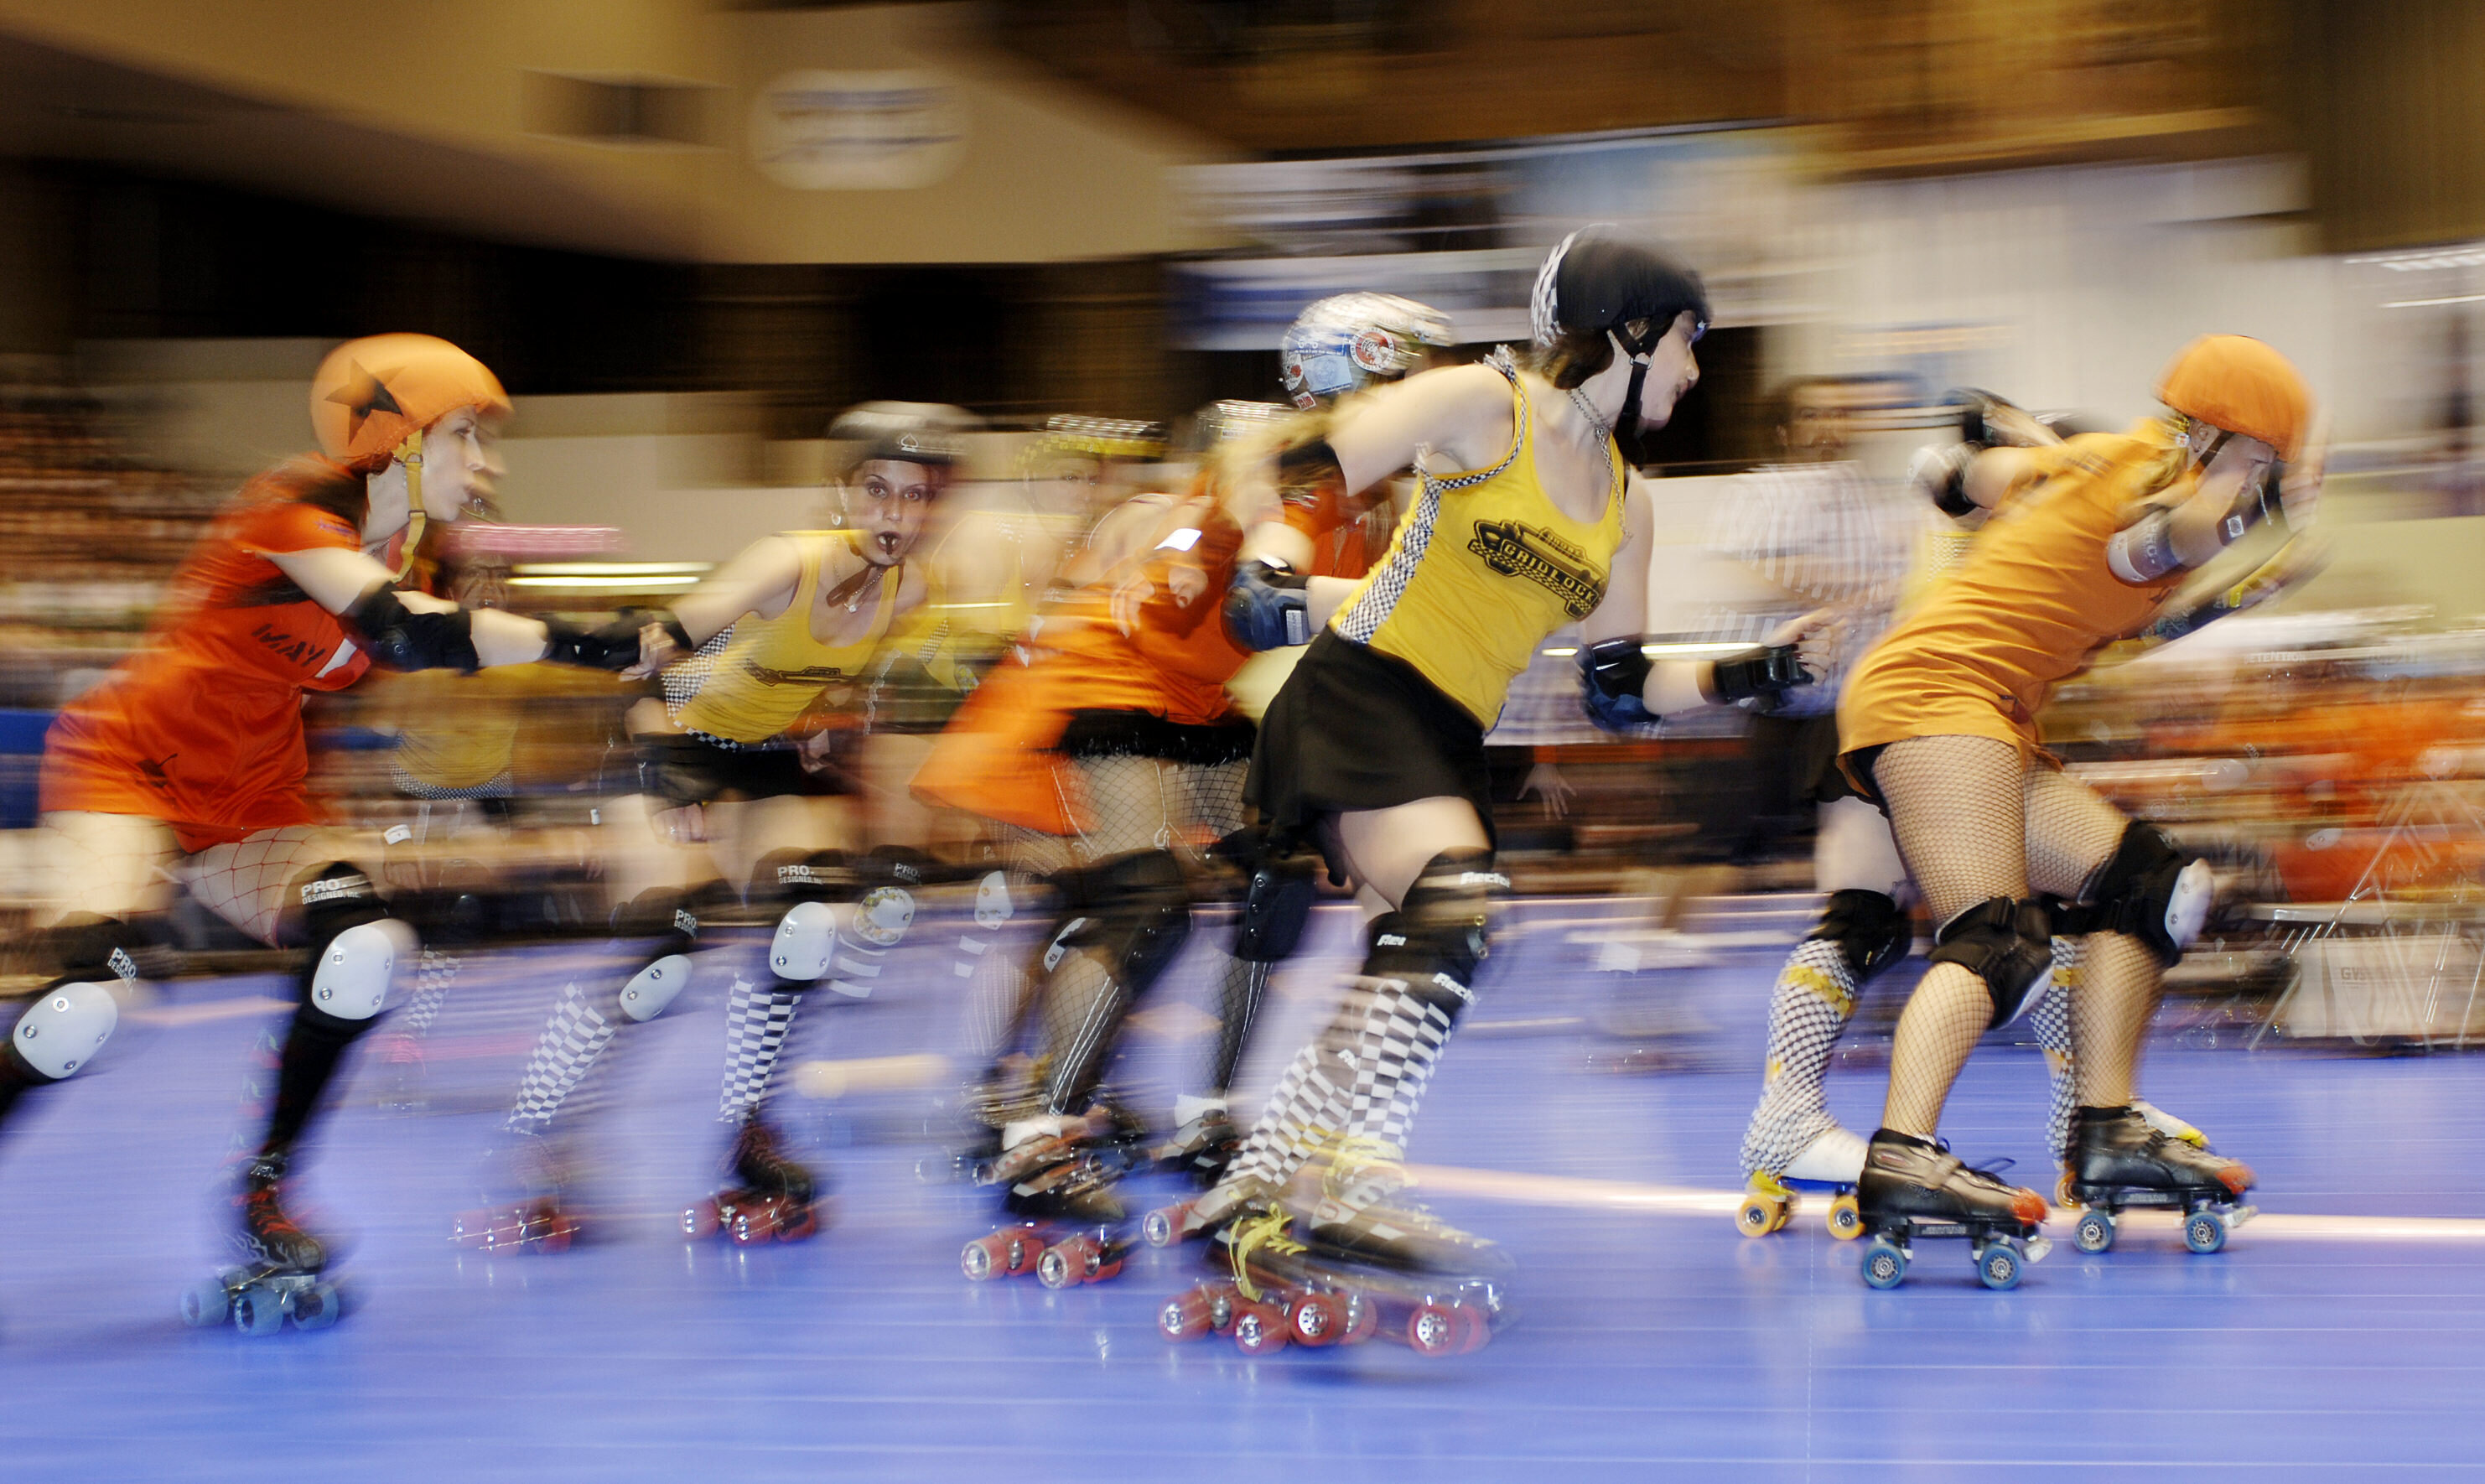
point(926, 433)
point(1595, 282)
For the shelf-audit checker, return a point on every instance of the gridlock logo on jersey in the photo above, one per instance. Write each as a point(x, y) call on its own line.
point(1543, 558)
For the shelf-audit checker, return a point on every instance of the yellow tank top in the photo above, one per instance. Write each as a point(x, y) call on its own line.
point(1481, 571)
point(774, 669)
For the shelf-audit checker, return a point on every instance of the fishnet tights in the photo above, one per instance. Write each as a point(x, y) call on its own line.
point(1974, 822)
point(121, 866)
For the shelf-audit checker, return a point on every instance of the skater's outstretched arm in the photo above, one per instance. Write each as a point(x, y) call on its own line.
point(409, 630)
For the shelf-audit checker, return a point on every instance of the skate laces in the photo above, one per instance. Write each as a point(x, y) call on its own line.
point(1362, 1171)
point(1253, 1232)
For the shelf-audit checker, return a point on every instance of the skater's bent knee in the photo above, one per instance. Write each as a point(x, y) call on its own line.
point(1869, 929)
point(2153, 891)
point(350, 983)
point(2008, 944)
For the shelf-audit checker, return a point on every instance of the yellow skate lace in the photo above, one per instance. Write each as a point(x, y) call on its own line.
point(1266, 1230)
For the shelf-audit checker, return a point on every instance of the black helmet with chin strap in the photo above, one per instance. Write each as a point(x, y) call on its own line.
point(1595, 282)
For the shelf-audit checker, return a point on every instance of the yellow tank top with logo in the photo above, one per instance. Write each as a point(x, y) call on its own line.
point(1480, 569)
point(774, 669)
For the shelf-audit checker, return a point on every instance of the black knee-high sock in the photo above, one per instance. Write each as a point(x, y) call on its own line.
point(313, 1049)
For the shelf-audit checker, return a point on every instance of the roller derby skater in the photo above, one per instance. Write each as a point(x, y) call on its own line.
point(737, 767)
point(1937, 724)
point(189, 762)
point(1811, 526)
point(1373, 751)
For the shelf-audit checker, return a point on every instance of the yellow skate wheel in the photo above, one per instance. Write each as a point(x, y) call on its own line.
point(2062, 1192)
point(1846, 1218)
point(1759, 1215)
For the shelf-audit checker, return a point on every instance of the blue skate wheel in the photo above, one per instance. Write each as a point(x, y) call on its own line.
point(2000, 1265)
point(2203, 1231)
point(207, 1302)
point(259, 1310)
point(1885, 1265)
point(2094, 1232)
point(318, 1307)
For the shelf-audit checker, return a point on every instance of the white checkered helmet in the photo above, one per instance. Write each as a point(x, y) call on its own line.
point(1352, 341)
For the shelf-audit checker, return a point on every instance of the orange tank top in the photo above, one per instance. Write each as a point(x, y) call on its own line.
point(2029, 606)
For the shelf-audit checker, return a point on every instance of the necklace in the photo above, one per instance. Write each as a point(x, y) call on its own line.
point(1596, 420)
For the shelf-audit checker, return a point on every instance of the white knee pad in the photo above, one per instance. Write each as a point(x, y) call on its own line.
point(993, 900)
point(2187, 905)
point(62, 1030)
point(654, 987)
point(883, 917)
point(807, 940)
point(357, 967)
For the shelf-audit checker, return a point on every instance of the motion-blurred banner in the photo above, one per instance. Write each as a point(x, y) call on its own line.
point(844, 131)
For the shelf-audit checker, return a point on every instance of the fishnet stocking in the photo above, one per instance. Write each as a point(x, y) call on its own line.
point(2071, 834)
point(245, 882)
point(1955, 806)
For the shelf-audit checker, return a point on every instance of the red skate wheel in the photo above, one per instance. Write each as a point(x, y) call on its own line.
point(986, 1257)
point(1433, 1330)
point(1025, 1250)
point(1063, 1265)
point(1187, 1316)
point(700, 1221)
point(1112, 1269)
point(797, 1223)
point(554, 1232)
point(1261, 1329)
point(1163, 1226)
point(752, 1223)
point(1320, 1319)
point(1475, 1330)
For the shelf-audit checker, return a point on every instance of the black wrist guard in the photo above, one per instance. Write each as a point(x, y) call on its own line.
point(613, 646)
point(1613, 676)
point(1764, 675)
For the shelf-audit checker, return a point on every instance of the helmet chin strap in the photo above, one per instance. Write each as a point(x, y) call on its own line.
point(409, 457)
point(1626, 421)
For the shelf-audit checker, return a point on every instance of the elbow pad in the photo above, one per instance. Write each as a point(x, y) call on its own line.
point(2145, 552)
point(402, 639)
point(1941, 473)
point(1268, 607)
point(1761, 675)
point(1612, 674)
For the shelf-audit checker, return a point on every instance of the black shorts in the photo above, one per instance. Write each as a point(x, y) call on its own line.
point(1146, 735)
point(687, 770)
point(1800, 754)
point(1353, 729)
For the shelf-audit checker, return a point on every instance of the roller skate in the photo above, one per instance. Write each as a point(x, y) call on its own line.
point(1069, 1226)
point(772, 1199)
point(1276, 1288)
point(1361, 1216)
point(1832, 1161)
point(541, 1218)
point(279, 1276)
point(1911, 1189)
point(1201, 1148)
point(2158, 1118)
point(2121, 1158)
point(1202, 1215)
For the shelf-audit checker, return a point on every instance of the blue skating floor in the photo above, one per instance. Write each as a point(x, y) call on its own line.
point(1587, 1117)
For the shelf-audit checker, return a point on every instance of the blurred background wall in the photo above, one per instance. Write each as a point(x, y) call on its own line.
point(687, 233)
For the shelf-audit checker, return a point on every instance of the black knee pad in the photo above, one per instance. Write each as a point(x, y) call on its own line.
point(1444, 927)
point(2008, 944)
point(785, 877)
point(1869, 929)
point(1138, 910)
point(896, 865)
point(2151, 889)
point(1276, 904)
point(339, 916)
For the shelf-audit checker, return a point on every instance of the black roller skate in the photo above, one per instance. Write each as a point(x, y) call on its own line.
point(1201, 1149)
point(1911, 1188)
point(1278, 1286)
point(2119, 1159)
point(1070, 1223)
point(541, 1218)
point(771, 1198)
point(279, 1277)
point(1363, 1216)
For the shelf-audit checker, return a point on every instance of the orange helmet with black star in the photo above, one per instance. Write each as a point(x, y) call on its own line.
point(371, 395)
point(2238, 385)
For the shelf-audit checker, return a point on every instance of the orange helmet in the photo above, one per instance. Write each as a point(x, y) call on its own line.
point(2240, 385)
point(373, 394)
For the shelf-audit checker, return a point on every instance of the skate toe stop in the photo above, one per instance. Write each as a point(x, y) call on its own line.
point(2237, 1178)
point(2027, 1205)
